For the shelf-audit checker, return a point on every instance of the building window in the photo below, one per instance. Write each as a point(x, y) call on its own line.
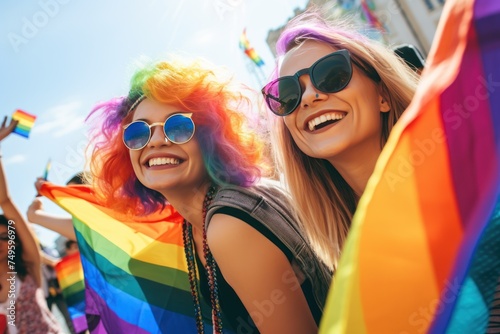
point(430, 4)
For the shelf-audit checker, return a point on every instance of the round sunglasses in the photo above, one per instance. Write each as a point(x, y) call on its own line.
point(178, 128)
point(329, 74)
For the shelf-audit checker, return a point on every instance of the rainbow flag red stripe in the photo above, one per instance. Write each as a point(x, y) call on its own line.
point(26, 122)
point(429, 207)
point(135, 269)
point(69, 273)
point(250, 51)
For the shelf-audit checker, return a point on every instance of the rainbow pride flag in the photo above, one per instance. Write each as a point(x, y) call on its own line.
point(370, 16)
point(26, 122)
point(69, 273)
point(47, 169)
point(135, 270)
point(250, 51)
point(428, 214)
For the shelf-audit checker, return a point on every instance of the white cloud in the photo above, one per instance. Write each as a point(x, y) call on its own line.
point(61, 120)
point(204, 37)
point(15, 159)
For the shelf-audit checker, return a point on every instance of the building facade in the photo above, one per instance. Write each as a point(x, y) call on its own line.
point(405, 21)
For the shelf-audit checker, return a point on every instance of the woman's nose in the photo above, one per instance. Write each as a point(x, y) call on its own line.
point(158, 137)
point(309, 93)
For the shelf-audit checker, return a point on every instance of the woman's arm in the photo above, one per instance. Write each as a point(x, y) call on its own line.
point(31, 250)
point(60, 224)
point(260, 274)
point(49, 260)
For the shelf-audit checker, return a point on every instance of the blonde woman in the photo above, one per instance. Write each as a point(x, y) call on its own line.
point(337, 95)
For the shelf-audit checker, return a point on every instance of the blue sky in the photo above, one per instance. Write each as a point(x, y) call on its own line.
point(60, 57)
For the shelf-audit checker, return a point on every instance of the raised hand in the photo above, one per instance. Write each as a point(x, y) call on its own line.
point(33, 208)
point(38, 183)
point(5, 129)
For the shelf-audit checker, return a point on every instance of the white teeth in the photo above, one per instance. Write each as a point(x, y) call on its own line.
point(163, 161)
point(322, 119)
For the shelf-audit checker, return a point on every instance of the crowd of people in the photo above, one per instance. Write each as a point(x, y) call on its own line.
point(258, 204)
point(21, 295)
point(28, 285)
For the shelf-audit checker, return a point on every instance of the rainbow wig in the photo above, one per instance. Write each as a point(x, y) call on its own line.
point(232, 152)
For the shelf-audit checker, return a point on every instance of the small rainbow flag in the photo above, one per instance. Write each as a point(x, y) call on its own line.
point(370, 16)
point(26, 122)
point(250, 51)
point(47, 169)
point(423, 252)
point(69, 273)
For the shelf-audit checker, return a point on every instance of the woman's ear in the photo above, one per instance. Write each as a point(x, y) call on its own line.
point(384, 105)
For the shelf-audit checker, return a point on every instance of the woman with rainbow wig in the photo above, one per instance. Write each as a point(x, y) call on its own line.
point(336, 95)
point(181, 138)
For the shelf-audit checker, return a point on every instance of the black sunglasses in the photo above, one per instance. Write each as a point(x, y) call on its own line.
point(329, 74)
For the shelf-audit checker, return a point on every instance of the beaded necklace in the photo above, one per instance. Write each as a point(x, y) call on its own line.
point(189, 250)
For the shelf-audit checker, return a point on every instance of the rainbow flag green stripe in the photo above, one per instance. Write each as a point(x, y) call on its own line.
point(76, 287)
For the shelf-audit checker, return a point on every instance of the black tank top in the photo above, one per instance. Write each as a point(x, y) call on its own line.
point(234, 314)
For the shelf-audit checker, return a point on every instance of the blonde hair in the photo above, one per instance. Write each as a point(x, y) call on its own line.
point(325, 202)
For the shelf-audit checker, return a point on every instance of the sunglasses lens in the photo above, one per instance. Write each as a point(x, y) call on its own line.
point(282, 95)
point(332, 74)
point(136, 135)
point(329, 75)
point(179, 129)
